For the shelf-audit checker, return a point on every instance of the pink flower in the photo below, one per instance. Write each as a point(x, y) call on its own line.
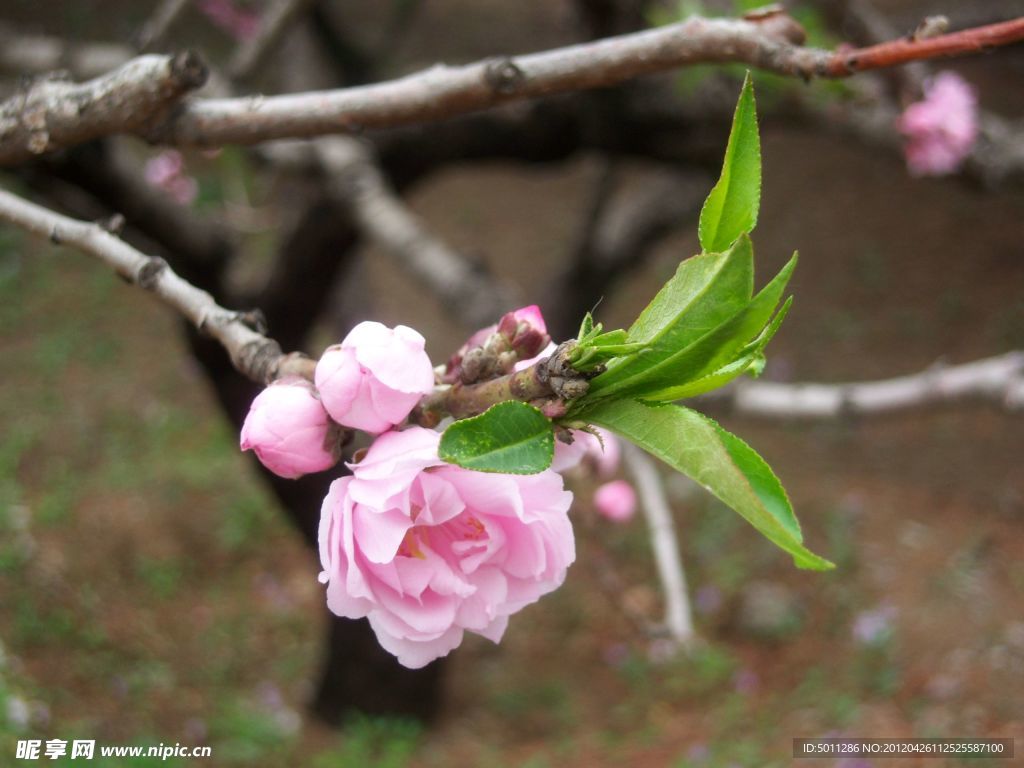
point(166, 171)
point(241, 23)
point(602, 453)
point(616, 501)
point(428, 550)
point(375, 377)
point(942, 128)
point(289, 430)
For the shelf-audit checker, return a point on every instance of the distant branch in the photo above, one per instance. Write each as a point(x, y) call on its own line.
point(28, 54)
point(469, 293)
point(999, 379)
point(154, 31)
point(276, 20)
point(664, 544)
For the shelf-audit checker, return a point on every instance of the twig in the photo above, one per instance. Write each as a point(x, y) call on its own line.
point(895, 52)
point(252, 353)
point(474, 296)
point(52, 114)
point(664, 544)
point(999, 379)
point(155, 30)
point(276, 20)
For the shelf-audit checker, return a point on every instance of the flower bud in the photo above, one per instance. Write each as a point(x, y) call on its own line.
point(616, 501)
point(375, 377)
point(525, 330)
point(288, 429)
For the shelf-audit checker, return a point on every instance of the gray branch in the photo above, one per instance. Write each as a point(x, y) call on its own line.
point(28, 54)
point(253, 354)
point(997, 379)
point(276, 21)
point(664, 544)
point(470, 293)
point(51, 113)
point(154, 31)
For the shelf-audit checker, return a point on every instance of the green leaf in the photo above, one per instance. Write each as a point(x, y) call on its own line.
point(508, 437)
point(585, 327)
point(731, 208)
point(750, 360)
point(647, 375)
point(704, 291)
point(716, 459)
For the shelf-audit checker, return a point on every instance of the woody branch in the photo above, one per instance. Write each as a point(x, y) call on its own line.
point(771, 42)
point(252, 353)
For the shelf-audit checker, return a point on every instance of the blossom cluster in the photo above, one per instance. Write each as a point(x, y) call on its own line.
point(423, 549)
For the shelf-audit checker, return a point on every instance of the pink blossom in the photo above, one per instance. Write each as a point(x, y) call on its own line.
point(601, 451)
point(289, 430)
point(241, 23)
point(375, 377)
point(166, 171)
point(941, 129)
point(616, 501)
point(428, 550)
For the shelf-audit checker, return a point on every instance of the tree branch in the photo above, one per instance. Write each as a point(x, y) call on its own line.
point(895, 52)
point(470, 293)
point(27, 54)
point(252, 353)
point(53, 113)
point(155, 30)
point(768, 42)
point(998, 379)
point(664, 544)
point(276, 20)
point(622, 239)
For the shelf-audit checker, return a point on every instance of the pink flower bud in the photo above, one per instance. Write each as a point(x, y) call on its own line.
point(428, 551)
point(289, 430)
point(375, 377)
point(525, 330)
point(602, 453)
point(532, 317)
point(522, 331)
point(616, 501)
point(941, 129)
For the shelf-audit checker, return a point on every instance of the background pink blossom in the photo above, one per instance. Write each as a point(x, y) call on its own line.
point(239, 22)
point(166, 171)
point(941, 128)
point(616, 501)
